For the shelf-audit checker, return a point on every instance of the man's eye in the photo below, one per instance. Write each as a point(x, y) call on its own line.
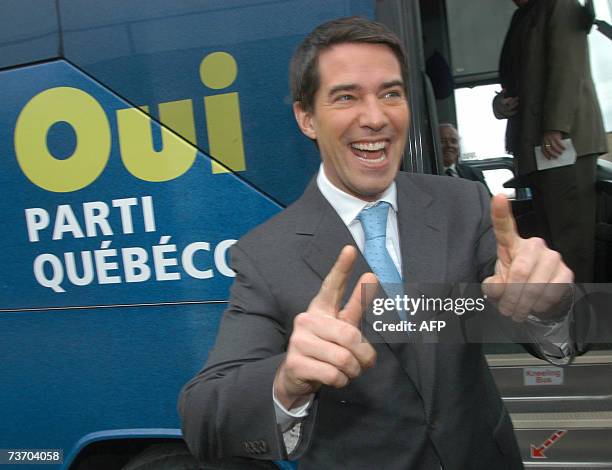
point(344, 97)
point(393, 94)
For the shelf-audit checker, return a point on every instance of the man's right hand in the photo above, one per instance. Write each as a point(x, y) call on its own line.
point(505, 107)
point(326, 346)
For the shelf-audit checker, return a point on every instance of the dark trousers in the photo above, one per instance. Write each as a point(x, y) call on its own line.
point(565, 203)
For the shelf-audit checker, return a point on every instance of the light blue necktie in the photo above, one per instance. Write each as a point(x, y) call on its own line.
point(374, 223)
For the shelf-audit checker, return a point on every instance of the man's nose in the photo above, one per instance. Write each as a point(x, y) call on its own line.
point(449, 143)
point(372, 114)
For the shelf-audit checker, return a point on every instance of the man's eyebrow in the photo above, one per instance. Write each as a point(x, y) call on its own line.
point(342, 87)
point(392, 83)
point(353, 86)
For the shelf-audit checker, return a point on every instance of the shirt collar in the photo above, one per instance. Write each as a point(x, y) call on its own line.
point(347, 206)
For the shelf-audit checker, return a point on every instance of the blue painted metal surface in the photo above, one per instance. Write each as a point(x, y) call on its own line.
point(94, 353)
point(67, 374)
point(29, 32)
point(194, 207)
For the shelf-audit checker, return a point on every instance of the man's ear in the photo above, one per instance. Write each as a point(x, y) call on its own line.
point(304, 120)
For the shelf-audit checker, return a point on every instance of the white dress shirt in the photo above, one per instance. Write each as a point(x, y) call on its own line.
point(348, 208)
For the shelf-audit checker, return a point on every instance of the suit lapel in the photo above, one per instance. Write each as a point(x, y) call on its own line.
point(423, 249)
point(422, 234)
point(328, 235)
point(423, 243)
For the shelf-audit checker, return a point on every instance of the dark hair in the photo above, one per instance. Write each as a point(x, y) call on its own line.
point(303, 71)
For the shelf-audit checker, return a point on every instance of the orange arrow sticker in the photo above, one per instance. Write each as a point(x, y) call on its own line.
point(538, 452)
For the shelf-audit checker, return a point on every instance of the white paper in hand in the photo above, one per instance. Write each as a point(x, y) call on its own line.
point(568, 157)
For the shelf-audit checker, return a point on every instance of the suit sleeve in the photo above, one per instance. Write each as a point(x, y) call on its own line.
point(227, 410)
point(486, 246)
point(566, 62)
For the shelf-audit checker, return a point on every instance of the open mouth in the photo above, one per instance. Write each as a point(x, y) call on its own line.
point(370, 152)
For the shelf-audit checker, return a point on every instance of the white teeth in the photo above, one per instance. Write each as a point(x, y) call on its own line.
point(369, 146)
point(373, 160)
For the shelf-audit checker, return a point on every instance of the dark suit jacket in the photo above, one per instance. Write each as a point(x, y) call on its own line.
point(419, 406)
point(553, 80)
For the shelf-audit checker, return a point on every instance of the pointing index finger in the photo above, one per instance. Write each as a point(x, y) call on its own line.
point(361, 298)
point(329, 297)
point(504, 225)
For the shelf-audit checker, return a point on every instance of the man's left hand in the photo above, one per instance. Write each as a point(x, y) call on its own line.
point(530, 278)
point(552, 144)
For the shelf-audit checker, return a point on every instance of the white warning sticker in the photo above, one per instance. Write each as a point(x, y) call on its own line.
point(542, 376)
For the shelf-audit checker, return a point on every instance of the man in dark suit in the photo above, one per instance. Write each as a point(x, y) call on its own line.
point(548, 96)
point(291, 373)
point(451, 150)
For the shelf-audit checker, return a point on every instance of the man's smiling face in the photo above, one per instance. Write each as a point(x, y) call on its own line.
point(449, 137)
point(360, 118)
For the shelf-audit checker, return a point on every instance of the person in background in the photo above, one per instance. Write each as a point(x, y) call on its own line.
point(548, 96)
point(451, 150)
point(438, 71)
